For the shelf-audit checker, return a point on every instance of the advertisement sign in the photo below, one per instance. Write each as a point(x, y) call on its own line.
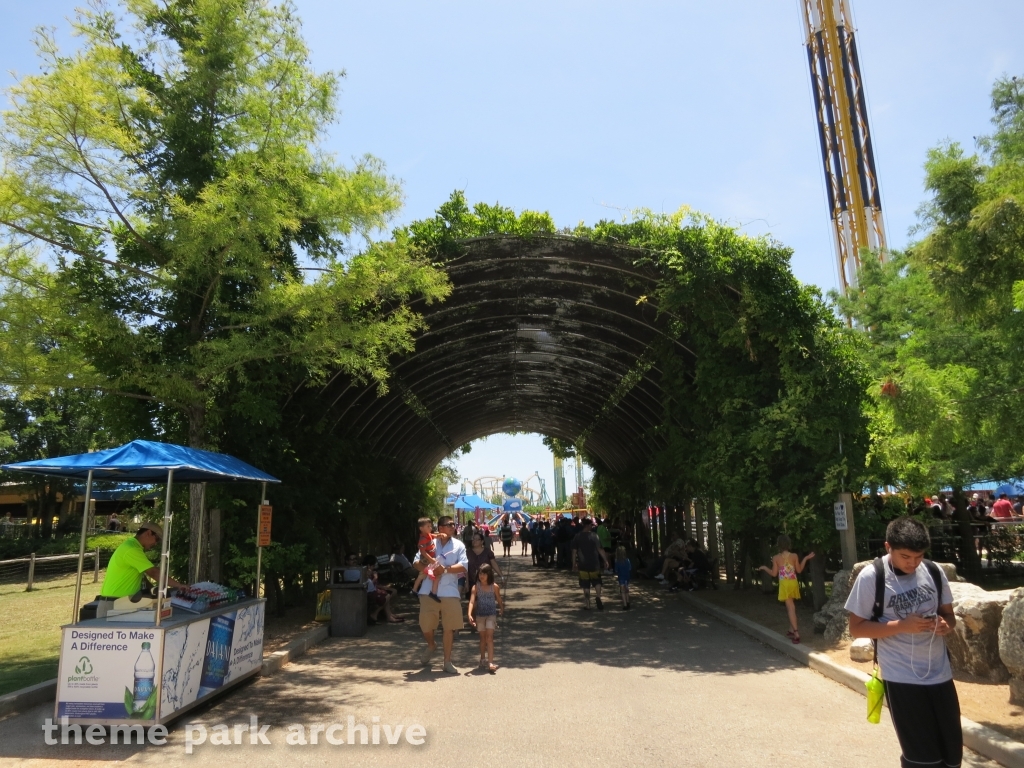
point(247, 642)
point(109, 673)
point(513, 505)
point(184, 648)
point(266, 513)
point(201, 657)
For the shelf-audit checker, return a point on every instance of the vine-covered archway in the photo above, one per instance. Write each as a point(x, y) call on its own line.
point(682, 358)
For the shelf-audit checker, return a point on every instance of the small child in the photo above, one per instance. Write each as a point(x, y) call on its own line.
point(786, 566)
point(484, 605)
point(427, 555)
point(623, 570)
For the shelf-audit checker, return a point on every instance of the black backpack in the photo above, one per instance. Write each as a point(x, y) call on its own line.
point(878, 608)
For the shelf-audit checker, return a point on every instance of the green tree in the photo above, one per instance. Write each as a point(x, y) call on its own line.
point(942, 330)
point(170, 168)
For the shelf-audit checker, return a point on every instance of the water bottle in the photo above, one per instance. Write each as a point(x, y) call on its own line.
point(145, 672)
point(218, 653)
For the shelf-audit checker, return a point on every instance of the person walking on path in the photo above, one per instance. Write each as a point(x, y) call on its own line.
point(451, 561)
point(904, 604)
point(785, 567)
point(478, 555)
point(623, 570)
point(506, 534)
point(587, 559)
point(524, 536)
point(485, 603)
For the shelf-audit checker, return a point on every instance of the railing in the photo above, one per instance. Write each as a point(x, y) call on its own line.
point(33, 569)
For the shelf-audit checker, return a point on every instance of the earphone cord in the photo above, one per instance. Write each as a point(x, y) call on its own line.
point(913, 638)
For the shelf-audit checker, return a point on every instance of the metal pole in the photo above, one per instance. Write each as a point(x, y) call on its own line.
point(202, 523)
point(96, 569)
point(165, 548)
point(259, 549)
point(81, 547)
point(31, 571)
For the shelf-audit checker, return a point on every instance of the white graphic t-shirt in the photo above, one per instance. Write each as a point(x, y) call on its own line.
point(919, 659)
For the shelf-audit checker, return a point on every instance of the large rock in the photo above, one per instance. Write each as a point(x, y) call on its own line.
point(1011, 644)
point(832, 620)
point(862, 649)
point(974, 644)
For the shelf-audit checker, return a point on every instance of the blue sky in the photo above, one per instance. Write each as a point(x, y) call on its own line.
point(590, 109)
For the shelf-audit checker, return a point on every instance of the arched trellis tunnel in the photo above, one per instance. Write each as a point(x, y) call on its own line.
point(547, 333)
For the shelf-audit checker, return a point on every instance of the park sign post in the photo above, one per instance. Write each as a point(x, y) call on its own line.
point(843, 509)
point(266, 515)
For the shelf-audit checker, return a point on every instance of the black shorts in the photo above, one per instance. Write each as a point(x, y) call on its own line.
point(927, 722)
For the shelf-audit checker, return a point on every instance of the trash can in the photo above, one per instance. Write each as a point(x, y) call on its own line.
point(348, 602)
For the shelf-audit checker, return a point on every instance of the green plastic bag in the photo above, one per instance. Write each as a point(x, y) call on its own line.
point(876, 693)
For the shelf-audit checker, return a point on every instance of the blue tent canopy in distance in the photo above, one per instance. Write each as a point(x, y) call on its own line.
point(1010, 489)
point(468, 502)
point(145, 461)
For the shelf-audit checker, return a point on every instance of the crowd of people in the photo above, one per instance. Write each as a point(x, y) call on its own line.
point(456, 565)
point(924, 708)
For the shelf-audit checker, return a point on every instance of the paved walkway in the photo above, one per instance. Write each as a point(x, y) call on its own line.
point(657, 686)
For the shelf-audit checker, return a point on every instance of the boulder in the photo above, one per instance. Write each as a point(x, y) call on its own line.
point(974, 644)
point(862, 649)
point(831, 619)
point(951, 575)
point(1011, 644)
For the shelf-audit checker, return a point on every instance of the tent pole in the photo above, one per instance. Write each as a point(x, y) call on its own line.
point(259, 549)
point(165, 548)
point(81, 548)
point(202, 522)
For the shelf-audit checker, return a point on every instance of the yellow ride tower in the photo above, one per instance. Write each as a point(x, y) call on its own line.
point(851, 181)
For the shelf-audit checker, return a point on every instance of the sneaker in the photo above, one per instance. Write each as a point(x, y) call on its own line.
point(674, 588)
point(427, 655)
point(450, 668)
point(435, 597)
point(600, 605)
point(660, 576)
point(483, 663)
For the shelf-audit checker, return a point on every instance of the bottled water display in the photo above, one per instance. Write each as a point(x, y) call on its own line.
point(218, 653)
point(145, 672)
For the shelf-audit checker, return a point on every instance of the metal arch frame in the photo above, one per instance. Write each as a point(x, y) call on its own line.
point(582, 298)
point(640, 413)
point(393, 429)
point(424, 354)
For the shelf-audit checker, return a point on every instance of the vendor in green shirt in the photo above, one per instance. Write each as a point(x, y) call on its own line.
point(129, 563)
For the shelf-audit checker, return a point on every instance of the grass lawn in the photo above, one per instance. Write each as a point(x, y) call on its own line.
point(30, 630)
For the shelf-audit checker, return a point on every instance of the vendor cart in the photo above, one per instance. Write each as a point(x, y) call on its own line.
point(149, 666)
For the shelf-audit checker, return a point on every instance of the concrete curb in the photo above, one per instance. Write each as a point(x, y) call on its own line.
point(26, 698)
point(985, 741)
point(297, 647)
point(20, 700)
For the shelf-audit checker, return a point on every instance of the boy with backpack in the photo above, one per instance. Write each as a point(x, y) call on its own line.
point(903, 602)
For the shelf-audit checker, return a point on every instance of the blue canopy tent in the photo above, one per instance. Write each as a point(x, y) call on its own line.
point(143, 461)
